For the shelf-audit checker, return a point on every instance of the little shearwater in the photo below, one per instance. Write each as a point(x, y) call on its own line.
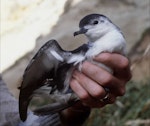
point(50, 70)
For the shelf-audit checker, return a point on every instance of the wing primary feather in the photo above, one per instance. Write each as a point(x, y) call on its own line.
point(34, 75)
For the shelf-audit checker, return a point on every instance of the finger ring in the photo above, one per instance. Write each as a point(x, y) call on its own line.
point(107, 96)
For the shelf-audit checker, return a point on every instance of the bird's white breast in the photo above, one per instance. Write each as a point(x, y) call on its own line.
point(111, 42)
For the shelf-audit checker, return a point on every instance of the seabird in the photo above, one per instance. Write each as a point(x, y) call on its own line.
point(50, 70)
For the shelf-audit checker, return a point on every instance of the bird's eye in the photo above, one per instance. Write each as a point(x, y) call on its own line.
point(95, 22)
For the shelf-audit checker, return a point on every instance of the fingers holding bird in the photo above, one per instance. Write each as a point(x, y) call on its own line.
point(90, 85)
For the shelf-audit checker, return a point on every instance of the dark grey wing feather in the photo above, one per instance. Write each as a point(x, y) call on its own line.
point(51, 44)
point(82, 49)
point(51, 108)
point(39, 69)
point(62, 102)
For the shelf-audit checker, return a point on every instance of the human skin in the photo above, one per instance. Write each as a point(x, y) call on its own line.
point(89, 86)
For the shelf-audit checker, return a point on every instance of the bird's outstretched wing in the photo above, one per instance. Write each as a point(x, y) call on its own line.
point(65, 98)
point(40, 68)
point(50, 63)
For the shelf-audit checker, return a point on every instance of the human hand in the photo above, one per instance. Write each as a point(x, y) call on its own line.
point(89, 85)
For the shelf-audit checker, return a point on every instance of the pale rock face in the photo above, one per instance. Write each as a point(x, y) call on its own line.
point(23, 21)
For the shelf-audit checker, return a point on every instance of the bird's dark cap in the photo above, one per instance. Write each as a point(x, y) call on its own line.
point(86, 20)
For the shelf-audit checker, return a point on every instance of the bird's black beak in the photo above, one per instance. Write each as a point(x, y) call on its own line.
point(81, 31)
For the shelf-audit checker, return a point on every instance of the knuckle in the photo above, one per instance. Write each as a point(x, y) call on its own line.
point(85, 81)
point(84, 96)
point(98, 93)
point(107, 79)
point(85, 65)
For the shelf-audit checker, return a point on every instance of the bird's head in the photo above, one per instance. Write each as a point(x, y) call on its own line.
point(94, 26)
